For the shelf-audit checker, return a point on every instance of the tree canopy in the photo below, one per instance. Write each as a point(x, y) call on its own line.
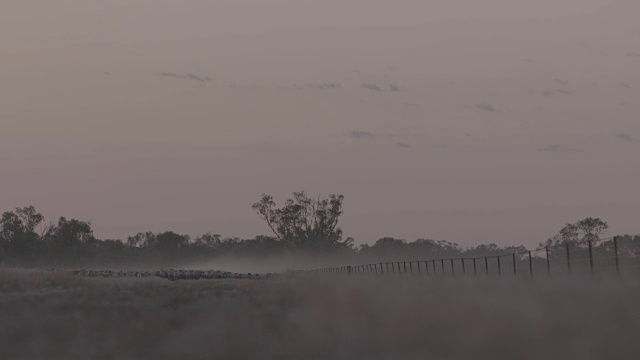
point(304, 223)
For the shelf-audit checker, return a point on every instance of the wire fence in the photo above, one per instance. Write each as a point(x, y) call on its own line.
point(612, 256)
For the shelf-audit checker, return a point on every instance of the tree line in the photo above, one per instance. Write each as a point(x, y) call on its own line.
point(302, 225)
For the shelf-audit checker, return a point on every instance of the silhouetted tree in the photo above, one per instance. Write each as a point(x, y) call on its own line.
point(69, 238)
point(591, 228)
point(17, 231)
point(305, 223)
point(576, 235)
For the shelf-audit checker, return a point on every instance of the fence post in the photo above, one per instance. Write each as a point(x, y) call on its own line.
point(568, 260)
point(387, 264)
point(442, 263)
point(453, 272)
point(426, 267)
point(486, 265)
point(530, 265)
point(475, 269)
point(463, 269)
point(546, 248)
point(591, 257)
point(411, 266)
point(615, 248)
point(404, 264)
point(513, 256)
point(499, 270)
point(419, 271)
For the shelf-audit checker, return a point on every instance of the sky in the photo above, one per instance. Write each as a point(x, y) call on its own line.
point(468, 121)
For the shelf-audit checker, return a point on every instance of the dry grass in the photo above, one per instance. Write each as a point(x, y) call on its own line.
point(53, 315)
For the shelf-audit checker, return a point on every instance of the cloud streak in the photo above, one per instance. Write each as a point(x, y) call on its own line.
point(486, 107)
point(556, 148)
point(624, 137)
point(189, 76)
point(359, 134)
point(324, 86)
point(372, 87)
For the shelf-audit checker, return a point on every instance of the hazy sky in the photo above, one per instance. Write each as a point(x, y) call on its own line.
point(465, 120)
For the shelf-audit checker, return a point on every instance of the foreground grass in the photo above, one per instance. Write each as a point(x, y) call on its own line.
point(54, 315)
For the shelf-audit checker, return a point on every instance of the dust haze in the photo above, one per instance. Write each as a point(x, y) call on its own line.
point(487, 152)
point(317, 318)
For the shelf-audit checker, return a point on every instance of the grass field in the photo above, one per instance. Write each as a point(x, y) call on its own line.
point(55, 315)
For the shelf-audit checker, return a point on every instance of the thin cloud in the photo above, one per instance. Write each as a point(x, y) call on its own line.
point(633, 54)
point(372, 87)
point(189, 76)
point(324, 86)
point(169, 74)
point(106, 73)
point(394, 88)
point(625, 85)
point(359, 134)
point(624, 137)
point(547, 94)
point(198, 77)
point(403, 145)
point(556, 148)
point(486, 107)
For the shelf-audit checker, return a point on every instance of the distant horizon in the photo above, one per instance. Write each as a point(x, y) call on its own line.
point(608, 234)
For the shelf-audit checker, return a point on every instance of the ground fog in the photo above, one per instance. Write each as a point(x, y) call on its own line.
point(58, 315)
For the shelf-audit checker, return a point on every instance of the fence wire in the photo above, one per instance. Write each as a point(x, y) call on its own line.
point(612, 256)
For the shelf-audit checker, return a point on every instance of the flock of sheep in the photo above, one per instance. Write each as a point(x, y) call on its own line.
point(172, 274)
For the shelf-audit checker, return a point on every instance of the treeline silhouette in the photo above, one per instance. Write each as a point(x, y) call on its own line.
point(303, 226)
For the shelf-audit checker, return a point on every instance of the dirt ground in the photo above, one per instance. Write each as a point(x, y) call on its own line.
point(56, 315)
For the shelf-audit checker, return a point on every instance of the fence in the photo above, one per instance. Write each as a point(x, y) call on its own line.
point(612, 256)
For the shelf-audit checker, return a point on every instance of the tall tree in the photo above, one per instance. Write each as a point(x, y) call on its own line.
point(303, 222)
point(592, 228)
point(17, 231)
point(576, 234)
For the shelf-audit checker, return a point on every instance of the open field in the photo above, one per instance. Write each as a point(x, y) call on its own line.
point(58, 315)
